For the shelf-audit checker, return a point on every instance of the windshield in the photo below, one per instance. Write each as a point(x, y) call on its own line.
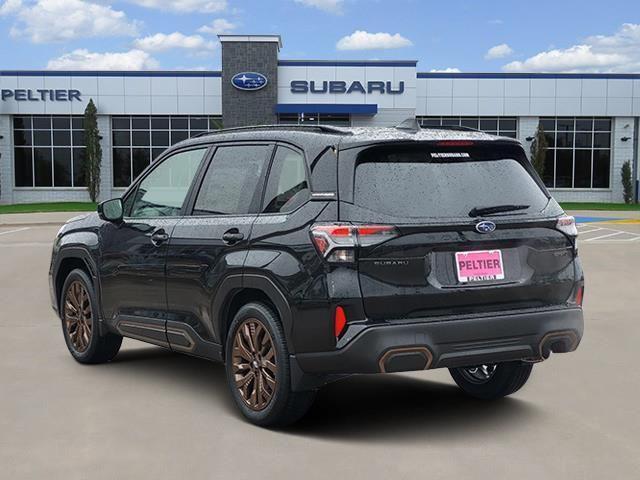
point(427, 184)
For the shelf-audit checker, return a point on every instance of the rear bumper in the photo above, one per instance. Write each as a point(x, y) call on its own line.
point(529, 336)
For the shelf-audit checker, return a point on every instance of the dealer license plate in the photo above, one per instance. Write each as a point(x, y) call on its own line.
point(480, 265)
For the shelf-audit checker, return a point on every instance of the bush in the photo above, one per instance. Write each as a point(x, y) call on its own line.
point(93, 151)
point(539, 151)
point(627, 183)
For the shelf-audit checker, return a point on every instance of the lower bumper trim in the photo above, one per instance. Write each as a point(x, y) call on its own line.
point(454, 343)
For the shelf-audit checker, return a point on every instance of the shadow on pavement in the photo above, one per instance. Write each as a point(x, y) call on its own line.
point(191, 375)
point(379, 408)
point(365, 408)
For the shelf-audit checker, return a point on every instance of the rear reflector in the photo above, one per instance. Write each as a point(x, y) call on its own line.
point(336, 241)
point(579, 295)
point(339, 321)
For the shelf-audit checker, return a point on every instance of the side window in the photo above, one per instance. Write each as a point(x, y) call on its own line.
point(232, 184)
point(162, 192)
point(287, 187)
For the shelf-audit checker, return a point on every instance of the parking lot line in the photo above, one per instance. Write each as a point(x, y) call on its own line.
point(15, 231)
point(582, 232)
point(600, 237)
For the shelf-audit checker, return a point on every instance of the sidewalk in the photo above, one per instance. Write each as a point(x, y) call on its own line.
point(622, 215)
point(28, 219)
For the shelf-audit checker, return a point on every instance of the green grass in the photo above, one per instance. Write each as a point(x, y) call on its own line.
point(48, 207)
point(600, 206)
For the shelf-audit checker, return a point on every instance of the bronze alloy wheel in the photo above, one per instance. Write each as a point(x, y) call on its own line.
point(78, 319)
point(254, 364)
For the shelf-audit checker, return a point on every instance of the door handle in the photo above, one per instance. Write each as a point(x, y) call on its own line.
point(159, 237)
point(232, 236)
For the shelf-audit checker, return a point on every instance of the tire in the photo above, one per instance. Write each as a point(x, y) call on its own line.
point(249, 366)
point(507, 378)
point(90, 348)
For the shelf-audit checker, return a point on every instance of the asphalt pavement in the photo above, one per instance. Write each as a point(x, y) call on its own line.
point(155, 414)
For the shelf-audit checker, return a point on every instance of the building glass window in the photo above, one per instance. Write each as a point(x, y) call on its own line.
point(579, 153)
point(504, 126)
point(138, 140)
point(335, 119)
point(49, 151)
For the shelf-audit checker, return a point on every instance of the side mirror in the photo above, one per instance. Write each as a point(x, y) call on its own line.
point(111, 210)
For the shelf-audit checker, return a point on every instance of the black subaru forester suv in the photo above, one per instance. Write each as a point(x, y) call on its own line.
point(300, 255)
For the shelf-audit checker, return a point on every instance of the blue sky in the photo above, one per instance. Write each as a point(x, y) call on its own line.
point(470, 36)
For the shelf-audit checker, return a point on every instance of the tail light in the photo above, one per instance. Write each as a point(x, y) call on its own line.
point(567, 225)
point(339, 321)
point(578, 296)
point(336, 242)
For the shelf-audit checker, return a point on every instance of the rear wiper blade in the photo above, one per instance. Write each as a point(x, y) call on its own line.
point(479, 211)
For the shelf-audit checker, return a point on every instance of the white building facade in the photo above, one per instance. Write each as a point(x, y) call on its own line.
point(591, 120)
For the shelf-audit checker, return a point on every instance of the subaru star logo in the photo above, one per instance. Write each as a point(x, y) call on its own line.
point(249, 81)
point(485, 226)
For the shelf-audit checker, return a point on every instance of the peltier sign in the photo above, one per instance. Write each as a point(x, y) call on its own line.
point(40, 95)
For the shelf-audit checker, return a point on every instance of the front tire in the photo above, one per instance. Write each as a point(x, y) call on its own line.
point(489, 382)
point(79, 314)
point(258, 369)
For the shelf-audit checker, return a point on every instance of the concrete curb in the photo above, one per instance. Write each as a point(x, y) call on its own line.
point(36, 219)
point(40, 224)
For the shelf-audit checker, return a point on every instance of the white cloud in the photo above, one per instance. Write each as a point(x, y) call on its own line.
point(579, 58)
point(445, 70)
point(220, 26)
point(61, 20)
point(495, 21)
point(499, 51)
point(82, 59)
point(185, 6)
point(361, 40)
point(161, 42)
point(619, 52)
point(331, 6)
point(10, 6)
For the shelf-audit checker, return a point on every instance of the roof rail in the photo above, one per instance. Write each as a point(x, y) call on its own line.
point(459, 128)
point(411, 124)
point(319, 128)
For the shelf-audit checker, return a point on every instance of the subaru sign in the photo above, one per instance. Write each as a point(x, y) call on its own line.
point(249, 81)
point(339, 86)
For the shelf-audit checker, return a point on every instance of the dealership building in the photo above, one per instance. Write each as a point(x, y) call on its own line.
point(591, 120)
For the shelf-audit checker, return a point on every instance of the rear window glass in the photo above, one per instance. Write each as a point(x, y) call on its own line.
point(425, 184)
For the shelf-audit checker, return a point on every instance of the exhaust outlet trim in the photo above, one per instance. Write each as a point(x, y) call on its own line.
point(562, 335)
point(404, 351)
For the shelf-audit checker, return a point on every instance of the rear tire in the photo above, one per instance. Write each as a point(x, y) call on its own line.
point(505, 379)
point(80, 326)
point(258, 369)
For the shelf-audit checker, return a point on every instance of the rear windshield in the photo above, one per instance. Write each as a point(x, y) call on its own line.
point(430, 184)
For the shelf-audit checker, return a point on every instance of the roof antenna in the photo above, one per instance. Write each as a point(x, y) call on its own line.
point(410, 124)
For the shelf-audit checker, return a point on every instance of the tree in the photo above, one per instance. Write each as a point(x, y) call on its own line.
point(539, 150)
point(627, 183)
point(215, 124)
point(93, 151)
